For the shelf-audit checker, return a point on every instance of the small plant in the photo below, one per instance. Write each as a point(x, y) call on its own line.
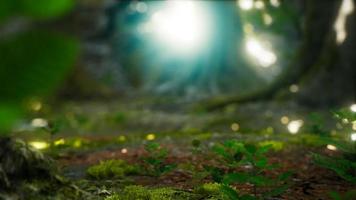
point(234, 154)
point(344, 165)
point(111, 169)
point(155, 160)
point(315, 125)
point(196, 144)
point(349, 195)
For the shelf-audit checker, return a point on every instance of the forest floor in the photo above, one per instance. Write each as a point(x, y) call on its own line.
point(91, 133)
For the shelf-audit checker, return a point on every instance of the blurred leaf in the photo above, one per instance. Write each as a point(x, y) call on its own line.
point(6, 9)
point(8, 115)
point(236, 178)
point(230, 192)
point(44, 9)
point(34, 63)
point(278, 191)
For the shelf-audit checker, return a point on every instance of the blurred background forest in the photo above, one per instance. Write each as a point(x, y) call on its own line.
point(156, 69)
point(207, 53)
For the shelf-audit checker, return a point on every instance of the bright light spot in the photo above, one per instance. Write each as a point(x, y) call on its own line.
point(235, 126)
point(141, 7)
point(263, 55)
point(331, 147)
point(39, 145)
point(245, 4)
point(353, 107)
point(39, 123)
point(248, 28)
point(259, 5)
point(294, 126)
point(346, 9)
point(284, 120)
point(124, 150)
point(181, 24)
point(354, 126)
point(294, 88)
point(122, 138)
point(150, 136)
point(59, 142)
point(35, 105)
point(275, 3)
point(345, 121)
point(353, 136)
point(77, 143)
point(267, 19)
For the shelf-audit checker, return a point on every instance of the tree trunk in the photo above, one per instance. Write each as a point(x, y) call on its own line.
point(318, 26)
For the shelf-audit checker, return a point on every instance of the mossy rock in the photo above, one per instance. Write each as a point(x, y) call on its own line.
point(19, 162)
point(112, 169)
point(211, 191)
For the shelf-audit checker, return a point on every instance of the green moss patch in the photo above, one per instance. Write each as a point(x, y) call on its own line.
point(111, 169)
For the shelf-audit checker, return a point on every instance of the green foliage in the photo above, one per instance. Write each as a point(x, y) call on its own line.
point(142, 193)
point(154, 161)
point(33, 62)
point(349, 195)
point(45, 8)
point(234, 154)
point(345, 113)
point(275, 145)
point(196, 144)
point(36, 9)
point(315, 125)
point(9, 113)
point(111, 169)
point(344, 168)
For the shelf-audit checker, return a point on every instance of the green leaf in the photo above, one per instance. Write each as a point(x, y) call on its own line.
point(231, 193)
point(334, 195)
point(277, 191)
point(9, 113)
point(251, 148)
point(344, 168)
point(44, 9)
point(236, 178)
point(34, 63)
point(262, 162)
point(284, 176)
point(6, 9)
point(260, 180)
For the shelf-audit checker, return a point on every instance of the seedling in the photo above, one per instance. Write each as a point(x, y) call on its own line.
point(155, 160)
point(252, 159)
point(345, 165)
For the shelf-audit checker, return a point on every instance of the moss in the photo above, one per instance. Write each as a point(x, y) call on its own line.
point(141, 193)
point(211, 191)
point(276, 145)
point(111, 169)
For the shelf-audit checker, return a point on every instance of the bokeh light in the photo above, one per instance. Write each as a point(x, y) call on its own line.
point(353, 107)
point(245, 4)
point(182, 25)
point(39, 144)
point(263, 55)
point(294, 126)
point(331, 147)
point(346, 9)
point(39, 123)
point(150, 136)
point(353, 136)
